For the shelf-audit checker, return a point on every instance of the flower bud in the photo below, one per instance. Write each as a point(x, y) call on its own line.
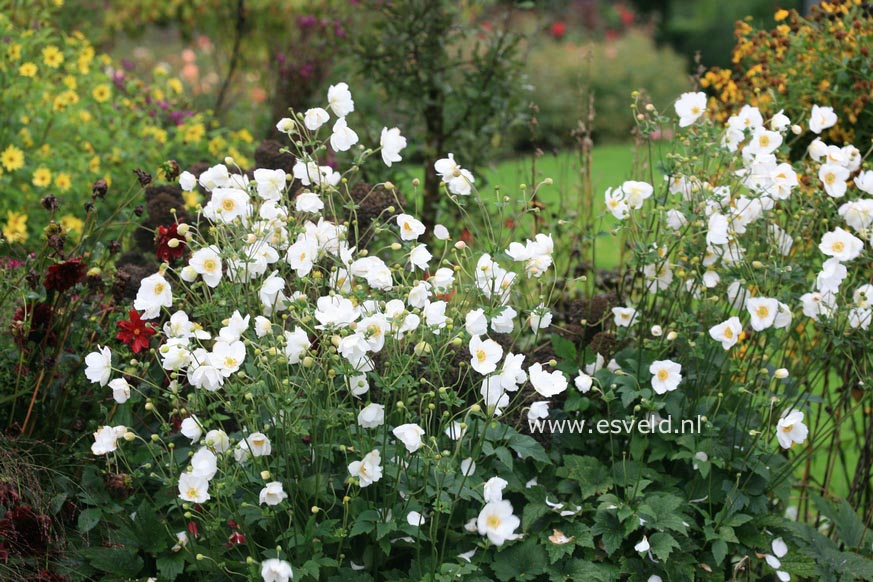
point(460, 245)
point(657, 331)
point(672, 336)
point(265, 475)
point(780, 373)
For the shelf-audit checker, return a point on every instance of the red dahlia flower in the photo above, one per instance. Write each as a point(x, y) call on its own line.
point(170, 244)
point(135, 333)
point(63, 276)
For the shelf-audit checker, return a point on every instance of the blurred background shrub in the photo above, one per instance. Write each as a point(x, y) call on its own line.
point(561, 73)
point(823, 57)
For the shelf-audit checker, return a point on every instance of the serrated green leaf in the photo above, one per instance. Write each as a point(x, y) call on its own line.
point(564, 348)
point(121, 562)
point(89, 519)
point(661, 511)
point(607, 526)
point(528, 448)
point(504, 456)
point(588, 473)
point(719, 551)
point(169, 567)
point(523, 561)
point(663, 544)
point(850, 528)
point(589, 571)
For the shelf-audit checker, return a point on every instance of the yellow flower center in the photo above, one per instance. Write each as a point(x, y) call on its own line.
point(762, 312)
point(493, 521)
point(663, 375)
point(838, 246)
point(191, 492)
point(481, 356)
point(830, 178)
point(788, 428)
point(209, 265)
point(728, 333)
point(228, 204)
point(159, 288)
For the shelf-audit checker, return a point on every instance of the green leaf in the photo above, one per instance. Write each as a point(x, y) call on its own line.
point(528, 448)
point(589, 571)
point(523, 561)
point(661, 511)
point(119, 561)
point(849, 526)
point(591, 475)
point(564, 348)
point(607, 526)
point(504, 456)
point(89, 519)
point(558, 551)
point(365, 523)
point(531, 513)
point(719, 551)
point(663, 544)
point(170, 567)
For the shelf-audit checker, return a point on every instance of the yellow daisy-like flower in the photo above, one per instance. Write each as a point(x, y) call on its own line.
point(26, 138)
point(175, 85)
point(52, 57)
point(244, 135)
point(15, 229)
point(14, 52)
point(27, 70)
point(63, 181)
point(94, 164)
point(101, 93)
point(780, 15)
point(192, 200)
point(85, 116)
point(42, 177)
point(217, 145)
point(194, 133)
point(12, 158)
point(72, 223)
point(59, 103)
point(70, 82)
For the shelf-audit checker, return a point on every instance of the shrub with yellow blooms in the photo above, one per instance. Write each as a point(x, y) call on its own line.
point(73, 116)
point(802, 61)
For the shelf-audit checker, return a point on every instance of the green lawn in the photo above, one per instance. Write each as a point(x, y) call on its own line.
point(611, 165)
